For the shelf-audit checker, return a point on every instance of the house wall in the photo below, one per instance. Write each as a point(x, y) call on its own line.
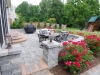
point(12, 14)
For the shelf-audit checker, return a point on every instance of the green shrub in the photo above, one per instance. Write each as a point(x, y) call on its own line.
point(14, 25)
point(52, 20)
point(34, 19)
point(38, 24)
point(19, 23)
point(55, 25)
point(45, 24)
point(50, 24)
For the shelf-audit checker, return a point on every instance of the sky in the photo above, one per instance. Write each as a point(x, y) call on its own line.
point(17, 2)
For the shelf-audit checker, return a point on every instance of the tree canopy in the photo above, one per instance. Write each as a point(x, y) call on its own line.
point(74, 13)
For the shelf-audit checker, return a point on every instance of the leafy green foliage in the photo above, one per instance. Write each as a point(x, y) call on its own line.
point(52, 20)
point(19, 23)
point(56, 10)
point(75, 13)
point(45, 24)
point(38, 24)
point(78, 12)
point(50, 24)
point(55, 25)
point(28, 11)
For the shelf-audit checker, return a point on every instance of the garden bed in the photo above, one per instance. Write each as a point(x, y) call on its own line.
point(59, 70)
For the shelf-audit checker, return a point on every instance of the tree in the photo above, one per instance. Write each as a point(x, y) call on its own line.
point(56, 10)
point(51, 9)
point(23, 9)
point(78, 11)
point(28, 11)
point(43, 8)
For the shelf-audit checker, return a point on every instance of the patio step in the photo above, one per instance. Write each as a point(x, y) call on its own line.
point(40, 68)
point(18, 37)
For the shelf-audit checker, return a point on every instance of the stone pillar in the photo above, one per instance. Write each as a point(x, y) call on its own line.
point(10, 61)
point(50, 53)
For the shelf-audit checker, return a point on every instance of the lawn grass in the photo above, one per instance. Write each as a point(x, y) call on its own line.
point(75, 30)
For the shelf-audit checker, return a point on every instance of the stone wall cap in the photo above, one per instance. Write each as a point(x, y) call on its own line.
point(52, 44)
point(3, 52)
point(14, 50)
point(16, 45)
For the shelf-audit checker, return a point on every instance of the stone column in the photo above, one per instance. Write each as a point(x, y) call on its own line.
point(50, 53)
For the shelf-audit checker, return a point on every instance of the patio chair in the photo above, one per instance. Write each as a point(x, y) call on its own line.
point(41, 35)
point(62, 37)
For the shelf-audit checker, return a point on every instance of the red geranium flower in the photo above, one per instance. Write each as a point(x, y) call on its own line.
point(84, 52)
point(66, 49)
point(69, 41)
point(64, 54)
point(79, 55)
point(74, 52)
point(65, 43)
point(71, 47)
point(79, 59)
point(77, 64)
point(60, 51)
point(98, 39)
point(74, 43)
point(68, 63)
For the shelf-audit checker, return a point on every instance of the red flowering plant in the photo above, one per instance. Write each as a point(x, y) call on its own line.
point(93, 42)
point(75, 55)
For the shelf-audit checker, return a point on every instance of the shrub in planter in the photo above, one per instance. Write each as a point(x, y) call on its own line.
point(93, 42)
point(76, 56)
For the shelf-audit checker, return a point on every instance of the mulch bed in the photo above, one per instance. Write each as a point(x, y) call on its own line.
point(59, 70)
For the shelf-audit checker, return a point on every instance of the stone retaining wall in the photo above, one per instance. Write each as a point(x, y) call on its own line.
point(10, 61)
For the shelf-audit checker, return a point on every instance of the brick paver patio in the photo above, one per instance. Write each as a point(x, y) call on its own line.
point(31, 52)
